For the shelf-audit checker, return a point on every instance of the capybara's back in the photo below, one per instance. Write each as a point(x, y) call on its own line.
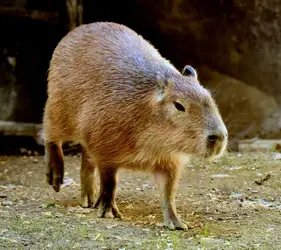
point(94, 71)
point(112, 92)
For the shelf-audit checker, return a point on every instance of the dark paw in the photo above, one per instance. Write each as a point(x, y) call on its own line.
point(54, 178)
point(109, 213)
point(105, 211)
point(56, 184)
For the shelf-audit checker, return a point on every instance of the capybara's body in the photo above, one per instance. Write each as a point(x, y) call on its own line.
point(112, 92)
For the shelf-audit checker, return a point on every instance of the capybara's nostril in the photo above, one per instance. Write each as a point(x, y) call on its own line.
point(219, 136)
point(213, 138)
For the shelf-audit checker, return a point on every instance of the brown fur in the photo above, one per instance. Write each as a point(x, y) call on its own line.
point(112, 92)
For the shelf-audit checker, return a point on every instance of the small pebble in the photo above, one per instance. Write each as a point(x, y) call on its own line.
point(220, 175)
point(210, 241)
point(7, 203)
point(159, 224)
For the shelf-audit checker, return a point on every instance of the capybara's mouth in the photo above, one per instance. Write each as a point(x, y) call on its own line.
point(216, 149)
point(212, 151)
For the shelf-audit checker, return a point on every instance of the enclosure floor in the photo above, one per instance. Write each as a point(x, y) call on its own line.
point(221, 202)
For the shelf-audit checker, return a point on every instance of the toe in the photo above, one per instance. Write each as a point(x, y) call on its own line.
point(170, 225)
point(116, 212)
point(108, 214)
point(56, 186)
point(84, 202)
point(176, 224)
point(181, 226)
point(49, 179)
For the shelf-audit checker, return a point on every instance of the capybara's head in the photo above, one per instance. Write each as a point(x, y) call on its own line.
point(189, 119)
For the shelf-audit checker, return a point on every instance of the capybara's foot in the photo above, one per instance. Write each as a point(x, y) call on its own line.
point(54, 180)
point(175, 223)
point(55, 165)
point(107, 211)
point(87, 199)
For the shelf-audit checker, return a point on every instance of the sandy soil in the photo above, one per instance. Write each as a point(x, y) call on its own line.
point(233, 203)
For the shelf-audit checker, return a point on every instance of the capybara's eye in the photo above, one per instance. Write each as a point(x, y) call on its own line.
point(179, 106)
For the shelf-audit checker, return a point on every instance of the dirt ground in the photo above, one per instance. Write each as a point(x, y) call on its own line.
point(233, 203)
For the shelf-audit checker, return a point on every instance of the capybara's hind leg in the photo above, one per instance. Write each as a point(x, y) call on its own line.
point(88, 182)
point(106, 201)
point(55, 164)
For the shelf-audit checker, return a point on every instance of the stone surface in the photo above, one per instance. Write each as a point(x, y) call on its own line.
point(238, 41)
point(8, 88)
point(247, 111)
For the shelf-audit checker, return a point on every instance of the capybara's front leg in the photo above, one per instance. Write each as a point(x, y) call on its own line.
point(88, 182)
point(168, 182)
point(55, 164)
point(106, 201)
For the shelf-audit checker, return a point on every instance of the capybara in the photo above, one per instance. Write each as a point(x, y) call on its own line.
point(111, 91)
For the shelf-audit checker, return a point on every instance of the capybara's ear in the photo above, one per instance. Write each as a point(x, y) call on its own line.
point(189, 71)
point(162, 84)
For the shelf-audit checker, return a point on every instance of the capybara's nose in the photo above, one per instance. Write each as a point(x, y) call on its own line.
point(213, 138)
point(218, 135)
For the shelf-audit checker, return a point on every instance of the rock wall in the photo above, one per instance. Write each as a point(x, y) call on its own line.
point(248, 112)
point(239, 41)
point(235, 45)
